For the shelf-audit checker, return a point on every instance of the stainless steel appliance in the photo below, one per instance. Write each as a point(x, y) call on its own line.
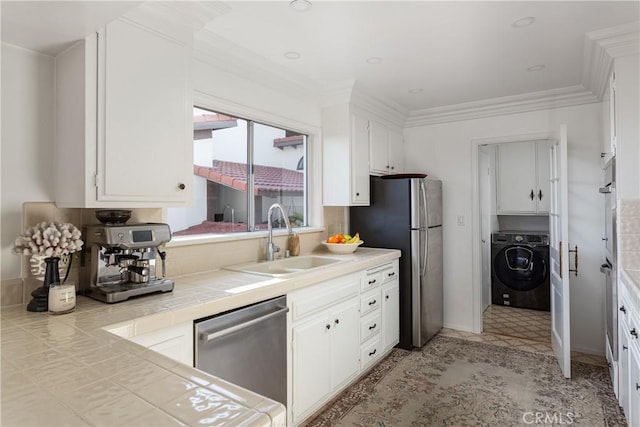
point(406, 213)
point(247, 346)
point(608, 268)
point(122, 261)
point(520, 270)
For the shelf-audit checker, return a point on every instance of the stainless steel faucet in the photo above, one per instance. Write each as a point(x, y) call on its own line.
point(271, 247)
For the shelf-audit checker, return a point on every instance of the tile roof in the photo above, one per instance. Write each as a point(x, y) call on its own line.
point(267, 179)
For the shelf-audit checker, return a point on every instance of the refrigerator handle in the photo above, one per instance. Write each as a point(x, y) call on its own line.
point(423, 249)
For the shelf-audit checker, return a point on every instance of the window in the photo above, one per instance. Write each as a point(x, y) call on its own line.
point(240, 168)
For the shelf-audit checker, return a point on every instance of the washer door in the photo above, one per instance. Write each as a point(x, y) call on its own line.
point(520, 268)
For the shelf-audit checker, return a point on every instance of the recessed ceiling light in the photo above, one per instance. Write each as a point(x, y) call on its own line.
point(292, 55)
point(536, 67)
point(523, 22)
point(374, 60)
point(415, 90)
point(300, 5)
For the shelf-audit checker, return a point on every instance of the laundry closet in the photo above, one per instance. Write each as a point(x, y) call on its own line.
point(514, 217)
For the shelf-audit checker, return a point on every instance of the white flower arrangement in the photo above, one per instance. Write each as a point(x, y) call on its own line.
point(49, 239)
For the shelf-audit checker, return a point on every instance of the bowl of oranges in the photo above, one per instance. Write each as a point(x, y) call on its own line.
point(343, 243)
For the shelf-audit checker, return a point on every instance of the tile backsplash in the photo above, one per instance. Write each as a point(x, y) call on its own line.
point(180, 259)
point(628, 224)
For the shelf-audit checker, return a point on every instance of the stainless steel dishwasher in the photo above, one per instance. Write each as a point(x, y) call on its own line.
point(247, 347)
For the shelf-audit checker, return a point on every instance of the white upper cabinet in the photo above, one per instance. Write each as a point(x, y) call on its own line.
point(124, 120)
point(523, 178)
point(386, 149)
point(345, 157)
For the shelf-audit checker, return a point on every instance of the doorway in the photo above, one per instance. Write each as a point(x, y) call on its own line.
point(513, 295)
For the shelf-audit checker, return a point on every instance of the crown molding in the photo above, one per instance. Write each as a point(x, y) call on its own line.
point(601, 48)
point(554, 98)
point(179, 19)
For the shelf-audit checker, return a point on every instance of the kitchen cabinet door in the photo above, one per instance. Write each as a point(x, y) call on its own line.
point(379, 148)
point(345, 157)
point(175, 342)
point(623, 368)
point(311, 363)
point(543, 174)
point(124, 115)
point(385, 149)
point(390, 314)
point(144, 145)
point(345, 343)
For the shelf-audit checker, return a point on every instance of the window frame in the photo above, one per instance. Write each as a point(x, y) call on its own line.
point(252, 232)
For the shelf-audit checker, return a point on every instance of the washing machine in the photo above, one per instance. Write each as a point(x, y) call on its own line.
point(520, 269)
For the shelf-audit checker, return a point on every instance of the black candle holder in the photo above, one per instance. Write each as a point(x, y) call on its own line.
point(40, 301)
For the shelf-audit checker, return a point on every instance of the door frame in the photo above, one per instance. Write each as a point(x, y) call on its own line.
point(476, 243)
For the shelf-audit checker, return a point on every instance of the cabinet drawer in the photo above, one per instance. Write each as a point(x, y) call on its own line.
point(370, 325)
point(370, 302)
point(370, 281)
point(370, 351)
point(315, 299)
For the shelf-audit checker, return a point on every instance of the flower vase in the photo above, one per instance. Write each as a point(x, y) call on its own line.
point(40, 301)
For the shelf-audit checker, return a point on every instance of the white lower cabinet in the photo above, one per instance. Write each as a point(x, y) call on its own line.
point(391, 314)
point(339, 329)
point(629, 351)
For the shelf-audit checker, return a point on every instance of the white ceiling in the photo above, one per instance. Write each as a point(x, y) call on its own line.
point(452, 51)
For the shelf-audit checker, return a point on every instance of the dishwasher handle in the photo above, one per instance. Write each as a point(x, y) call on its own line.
point(210, 337)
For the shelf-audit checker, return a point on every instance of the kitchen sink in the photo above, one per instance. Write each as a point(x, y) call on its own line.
point(285, 267)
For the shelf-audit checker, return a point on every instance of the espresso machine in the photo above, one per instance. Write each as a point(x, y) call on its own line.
point(121, 261)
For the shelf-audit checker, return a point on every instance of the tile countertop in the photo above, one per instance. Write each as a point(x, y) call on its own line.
point(68, 370)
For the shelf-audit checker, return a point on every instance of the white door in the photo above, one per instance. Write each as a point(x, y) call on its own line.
point(559, 254)
point(484, 178)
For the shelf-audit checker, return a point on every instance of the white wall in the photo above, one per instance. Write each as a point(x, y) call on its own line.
point(444, 152)
point(27, 142)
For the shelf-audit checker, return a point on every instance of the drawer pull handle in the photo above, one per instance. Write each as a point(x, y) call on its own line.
point(622, 309)
point(371, 282)
point(637, 386)
point(373, 352)
point(624, 347)
point(373, 326)
point(634, 333)
point(372, 302)
point(393, 273)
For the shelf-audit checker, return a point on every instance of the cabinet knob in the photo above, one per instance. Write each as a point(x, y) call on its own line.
point(637, 386)
point(337, 321)
point(392, 167)
point(634, 332)
point(605, 239)
point(622, 309)
point(357, 194)
point(532, 195)
point(386, 296)
point(387, 166)
point(181, 186)
point(624, 347)
point(328, 326)
point(540, 195)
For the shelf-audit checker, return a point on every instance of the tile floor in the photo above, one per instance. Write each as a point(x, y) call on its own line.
point(535, 339)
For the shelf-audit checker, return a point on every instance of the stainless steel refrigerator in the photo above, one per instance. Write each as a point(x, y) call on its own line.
point(406, 214)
